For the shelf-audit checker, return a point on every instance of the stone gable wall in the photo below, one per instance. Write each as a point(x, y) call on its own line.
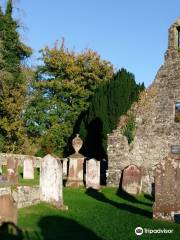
point(156, 129)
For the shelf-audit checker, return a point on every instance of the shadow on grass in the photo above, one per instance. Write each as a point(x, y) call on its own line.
point(127, 207)
point(9, 231)
point(151, 198)
point(126, 196)
point(51, 228)
point(60, 228)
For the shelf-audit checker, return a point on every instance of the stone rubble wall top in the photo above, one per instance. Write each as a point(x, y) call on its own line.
point(36, 160)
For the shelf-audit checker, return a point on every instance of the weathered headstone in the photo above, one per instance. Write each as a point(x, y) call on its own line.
point(131, 181)
point(167, 189)
point(12, 170)
point(76, 165)
point(93, 174)
point(65, 167)
point(8, 209)
point(28, 169)
point(51, 181)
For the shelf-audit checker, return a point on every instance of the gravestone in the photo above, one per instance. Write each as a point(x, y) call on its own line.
point(75, 172)
point(51, 181)
point(12, 170)
point(76, 165)
point(93, 174)
point(8, 209)
point(65, 167)
point(167, 188)
point(131, 180)
point(28, 169)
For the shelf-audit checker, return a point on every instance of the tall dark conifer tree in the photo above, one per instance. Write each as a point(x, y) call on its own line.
point(13, 87)
point(109, 102)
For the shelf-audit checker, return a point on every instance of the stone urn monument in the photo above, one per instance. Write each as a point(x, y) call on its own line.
point(76, 165)
point(77, 143)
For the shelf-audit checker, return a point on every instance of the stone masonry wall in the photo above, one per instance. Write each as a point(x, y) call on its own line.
point(5, 191)
point(156, 129)
point(24, 195)
point(20, 158)
point(36, 160)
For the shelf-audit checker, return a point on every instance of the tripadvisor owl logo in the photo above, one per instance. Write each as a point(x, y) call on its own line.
point(139, 231)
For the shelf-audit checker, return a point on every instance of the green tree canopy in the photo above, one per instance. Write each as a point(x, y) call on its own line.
point(61, 91)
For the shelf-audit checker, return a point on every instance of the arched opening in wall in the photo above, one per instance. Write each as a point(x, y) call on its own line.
point(177, 112)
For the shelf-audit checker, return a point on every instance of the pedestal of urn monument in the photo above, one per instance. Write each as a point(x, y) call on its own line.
point(76, 165)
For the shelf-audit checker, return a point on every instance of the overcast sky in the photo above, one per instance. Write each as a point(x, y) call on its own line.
point(129, 33)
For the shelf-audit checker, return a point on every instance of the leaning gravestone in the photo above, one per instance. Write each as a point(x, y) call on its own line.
point(93, 174)
point(28, 169)
point(131, 181)
point(167, 189)
point(8, 209)
point(12, 170)
point(51, 188)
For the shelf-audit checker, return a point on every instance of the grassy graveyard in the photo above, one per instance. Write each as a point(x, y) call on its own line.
point(28, 182)
point(21, 181)
point(104, 215)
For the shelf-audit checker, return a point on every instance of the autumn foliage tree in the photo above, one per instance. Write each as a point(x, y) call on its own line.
point(61, 91)
point(13, 84)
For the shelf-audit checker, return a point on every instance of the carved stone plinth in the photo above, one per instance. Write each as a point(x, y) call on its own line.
point(75, 171)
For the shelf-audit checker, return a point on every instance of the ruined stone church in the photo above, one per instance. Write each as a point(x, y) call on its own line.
point(157, 122)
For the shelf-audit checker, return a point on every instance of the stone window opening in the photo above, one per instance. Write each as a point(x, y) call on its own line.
point(177, 112)
point(178, 29)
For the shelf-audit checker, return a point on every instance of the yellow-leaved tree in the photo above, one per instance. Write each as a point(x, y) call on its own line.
point(62, 90)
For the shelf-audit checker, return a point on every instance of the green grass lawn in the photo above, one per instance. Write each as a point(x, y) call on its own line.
point(28, 182)
point(105, 215)
point(21, 181)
